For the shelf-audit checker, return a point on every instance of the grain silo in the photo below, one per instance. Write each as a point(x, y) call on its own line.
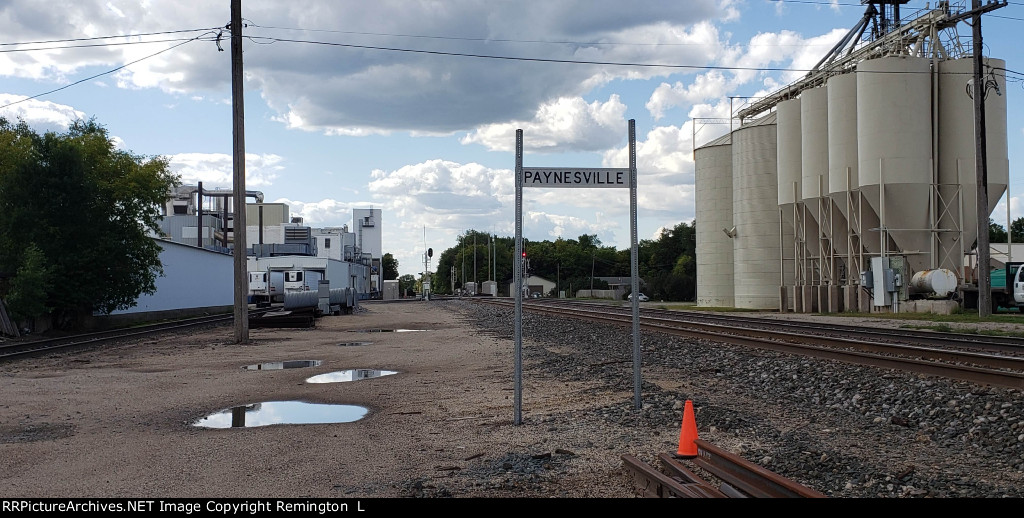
point(814, 151)
point(894, 135)
point(957, 189)
point(713, 206)
point(757, 248)
point(844, 187)
point(791, 206)
point(880, 181)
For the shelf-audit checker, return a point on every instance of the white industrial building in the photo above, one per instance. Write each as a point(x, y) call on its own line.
point(195, 281)
point(849, 189)
point(366, 224)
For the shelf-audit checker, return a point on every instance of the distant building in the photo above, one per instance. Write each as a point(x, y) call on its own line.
point(533, 284)
point(366, 224)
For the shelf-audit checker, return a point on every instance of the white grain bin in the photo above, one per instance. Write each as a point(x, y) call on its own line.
point(957, 153)
point(831, 226)
point(939, 282)
point(894, 153)
point(790, 190)
point(843, 179)
point(790, 160)
point(756, 250)
point(814, 145)
point(713, 206)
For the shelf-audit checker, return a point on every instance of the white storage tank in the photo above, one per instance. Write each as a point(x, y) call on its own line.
point(756, 250)
point(790, 164)
point(957, 150)
point(814, 144)
point(713, 205)
point(939, 282)
point(790, 160)
point(894, 153)
point(843, 179)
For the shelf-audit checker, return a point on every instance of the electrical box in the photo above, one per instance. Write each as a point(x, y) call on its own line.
point(866, 279)
point(882, 285)
point(889, 279)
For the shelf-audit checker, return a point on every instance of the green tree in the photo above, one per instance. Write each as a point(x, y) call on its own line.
point(389, 265)
point(90, 210)
point(1017, 230)
point(996, 232)
point(29, 287)
point(407, 284)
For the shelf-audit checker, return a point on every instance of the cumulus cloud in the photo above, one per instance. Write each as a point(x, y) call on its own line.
point(564, 124)
point(42, 116)
point(216, 170)
point(351, 68)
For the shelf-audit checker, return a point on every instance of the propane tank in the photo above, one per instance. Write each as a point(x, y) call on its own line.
point(939, 282)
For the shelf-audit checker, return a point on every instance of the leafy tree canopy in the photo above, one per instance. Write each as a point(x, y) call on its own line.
point(668, 264)
point(87, 209)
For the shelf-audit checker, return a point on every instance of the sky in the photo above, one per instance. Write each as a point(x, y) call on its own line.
point(412, 107)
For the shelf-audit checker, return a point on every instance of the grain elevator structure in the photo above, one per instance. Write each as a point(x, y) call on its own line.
point(854, 188)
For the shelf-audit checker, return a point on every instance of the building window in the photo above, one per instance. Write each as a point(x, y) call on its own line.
point(327, 242)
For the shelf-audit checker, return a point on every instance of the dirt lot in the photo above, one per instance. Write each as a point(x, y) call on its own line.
point(119, 422)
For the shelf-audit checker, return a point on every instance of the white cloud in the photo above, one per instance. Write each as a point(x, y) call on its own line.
point(42, 116)
point(216, 170)
point(564, 124)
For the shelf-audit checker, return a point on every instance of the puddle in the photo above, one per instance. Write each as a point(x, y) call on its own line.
point(349, 375)
point(281, 412)
point(354, 344)
point(387, 330)
point(293, 364)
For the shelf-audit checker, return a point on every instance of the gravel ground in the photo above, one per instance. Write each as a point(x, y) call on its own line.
point(118, 422)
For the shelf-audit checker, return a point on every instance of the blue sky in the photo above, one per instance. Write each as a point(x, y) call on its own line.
point(412, 107)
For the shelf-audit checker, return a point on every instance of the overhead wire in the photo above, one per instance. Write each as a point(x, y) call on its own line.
point(107, 72)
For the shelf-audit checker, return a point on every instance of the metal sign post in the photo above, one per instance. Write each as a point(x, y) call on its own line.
point(569, 177)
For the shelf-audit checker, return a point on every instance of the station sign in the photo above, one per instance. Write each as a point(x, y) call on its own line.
point(575, 177)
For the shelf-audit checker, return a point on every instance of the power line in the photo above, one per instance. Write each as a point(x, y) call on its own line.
point(115, 44)
point(506, 40)
point(103, 73)
point(538, 60)
point(136, 35)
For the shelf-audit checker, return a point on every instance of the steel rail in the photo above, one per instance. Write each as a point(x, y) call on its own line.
point(24, 349)
point(829, 348)
point(988, 342)
point(736, 476)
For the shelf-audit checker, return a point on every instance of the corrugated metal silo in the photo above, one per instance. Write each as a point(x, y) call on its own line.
point(713, 205)
point(957, 152)
point(756, 250)
point(894, 153)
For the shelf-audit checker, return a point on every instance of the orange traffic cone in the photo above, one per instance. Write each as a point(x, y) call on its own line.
point(688, 434)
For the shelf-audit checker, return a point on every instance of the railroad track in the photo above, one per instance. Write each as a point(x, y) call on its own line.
point(977, 359)
point(24, 349)
point(728, 476)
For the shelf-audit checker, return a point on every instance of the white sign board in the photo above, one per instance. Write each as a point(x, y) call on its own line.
point(575, 177)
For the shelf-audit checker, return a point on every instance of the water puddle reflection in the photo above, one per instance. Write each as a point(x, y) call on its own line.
point(349, 375)
point(281, 412)
point(292, 364)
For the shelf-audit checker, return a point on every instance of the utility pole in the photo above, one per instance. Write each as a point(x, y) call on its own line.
point(238, 222)
point(978, 92)
point(980, 159)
